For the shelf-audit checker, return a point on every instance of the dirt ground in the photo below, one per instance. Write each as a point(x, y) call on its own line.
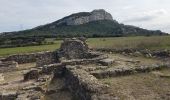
point(154, 85)
point(145, 86)
point(60, 92)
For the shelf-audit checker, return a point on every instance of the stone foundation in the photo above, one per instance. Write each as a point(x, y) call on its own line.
point(73, 49)
point(127, 71)
point(85, 86)
point(32, 74)
point(8, 95)
point(1, 77)
point(26, 58)
point(8, 66)
point(46, 58)
point(71, 62)
point(139, 52)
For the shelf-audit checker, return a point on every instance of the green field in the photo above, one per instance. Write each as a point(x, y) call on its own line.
point(153, 42)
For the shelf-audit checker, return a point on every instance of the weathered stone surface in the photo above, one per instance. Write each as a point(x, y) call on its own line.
point(32, 74)
point(138, 52)
point(46, 58)
point(85, 86)
point(95, 15)
point(8, 66)
point(25, 58)
point(1, 77)
point(73, 49)
point(30, 95)
point(114, 72)
point(10, 95)
point(106, 62)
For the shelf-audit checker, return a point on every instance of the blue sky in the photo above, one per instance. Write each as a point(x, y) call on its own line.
point(24, 14)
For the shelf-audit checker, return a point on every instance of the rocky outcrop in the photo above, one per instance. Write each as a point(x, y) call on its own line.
point(86, 17)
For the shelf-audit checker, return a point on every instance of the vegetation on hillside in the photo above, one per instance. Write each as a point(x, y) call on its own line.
point(104, 28)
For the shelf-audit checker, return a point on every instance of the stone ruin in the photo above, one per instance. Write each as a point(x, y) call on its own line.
point(70, 62)
point(74, 49)
point(1, 77)
point(73, 52)
point(7, 66)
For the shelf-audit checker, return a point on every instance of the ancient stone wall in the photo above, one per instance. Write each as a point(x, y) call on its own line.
point(1, 77)
point(26, 58)
point(73, 49)
point(139, 52)
point(85, 86)
point(8, 66)
point(127, 71)
point(46, 58)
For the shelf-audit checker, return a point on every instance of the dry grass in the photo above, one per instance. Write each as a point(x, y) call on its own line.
point(145, 86)
point(154, 42)
point(140, 42)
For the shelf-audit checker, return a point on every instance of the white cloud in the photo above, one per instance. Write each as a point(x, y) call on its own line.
point(30, 13)
point(146, 16)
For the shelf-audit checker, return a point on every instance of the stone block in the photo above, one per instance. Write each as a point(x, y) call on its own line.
point(106, 62)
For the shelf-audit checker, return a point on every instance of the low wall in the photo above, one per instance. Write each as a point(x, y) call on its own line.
point(127, 71)
point(46, 58)
point(8, 66)
point(139, 52)
point(85, 86)
point(25, 58)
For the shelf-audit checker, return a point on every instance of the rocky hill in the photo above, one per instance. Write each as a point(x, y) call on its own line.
point(85, 17)
point(97, 23)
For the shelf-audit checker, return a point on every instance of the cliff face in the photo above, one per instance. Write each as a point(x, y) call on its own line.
point(82, 18)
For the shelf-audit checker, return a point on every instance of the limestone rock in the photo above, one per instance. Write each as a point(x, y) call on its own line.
point(1, 77)
point(106, 62)
point(8, 66)
point(9, 95)
point(86, 17)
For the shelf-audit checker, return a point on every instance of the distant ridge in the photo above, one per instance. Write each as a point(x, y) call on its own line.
point(97, 23)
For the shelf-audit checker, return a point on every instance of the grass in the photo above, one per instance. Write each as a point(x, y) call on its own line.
point(29, 49)
point(153, 42)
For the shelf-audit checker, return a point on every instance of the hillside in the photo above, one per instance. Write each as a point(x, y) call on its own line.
point(97, 23)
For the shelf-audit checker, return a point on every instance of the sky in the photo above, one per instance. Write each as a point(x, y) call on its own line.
point(18, 15)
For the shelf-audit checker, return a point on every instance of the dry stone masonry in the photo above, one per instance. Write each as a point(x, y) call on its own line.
point(1, 77)
point(80, 67)
point(73, 49)
point(7, 66)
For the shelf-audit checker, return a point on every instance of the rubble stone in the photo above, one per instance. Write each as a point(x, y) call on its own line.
point(8, 66)
point(85, 86)
point(73, 49)
point(106, 62)
point(32, 74)
point(1, 77)
point(9, 95)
